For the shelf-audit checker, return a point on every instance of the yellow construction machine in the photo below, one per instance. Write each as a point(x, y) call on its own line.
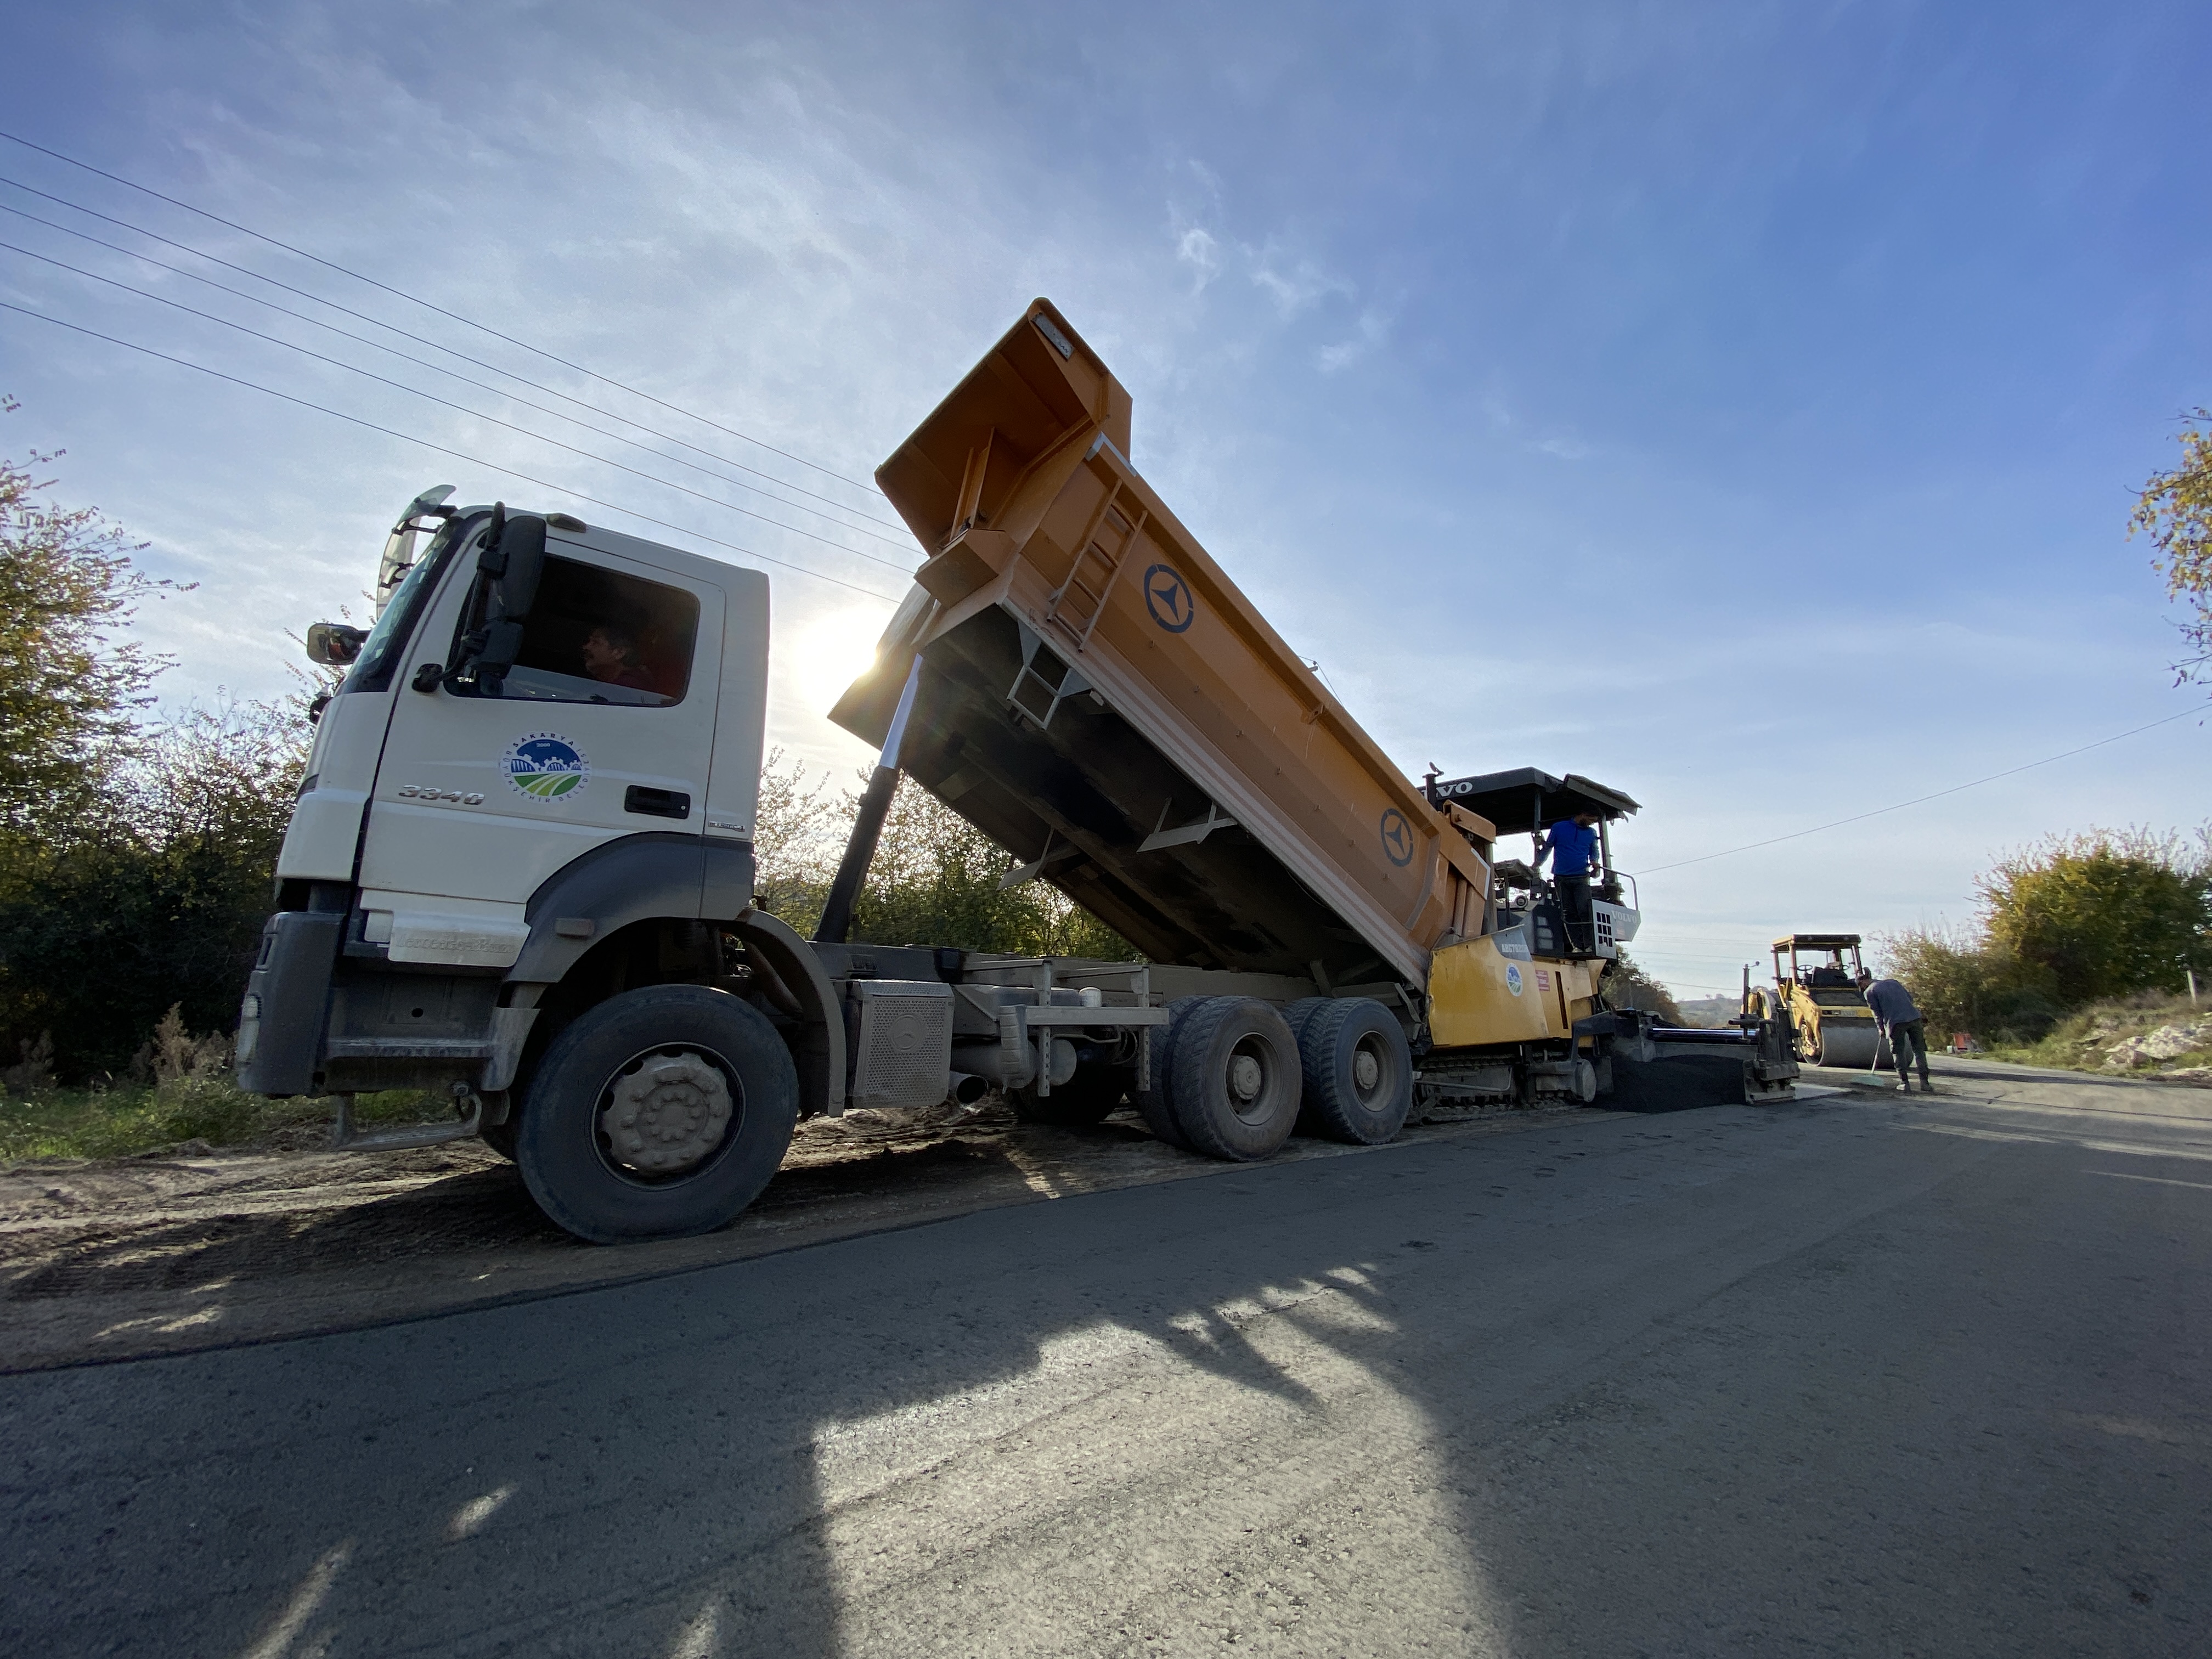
point(1816, 997)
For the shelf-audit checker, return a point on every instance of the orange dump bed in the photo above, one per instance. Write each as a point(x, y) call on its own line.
point(1097, 696)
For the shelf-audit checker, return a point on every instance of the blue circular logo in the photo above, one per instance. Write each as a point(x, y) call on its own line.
point(1513, 977)
point(1397, 837)
point(546, 766)
point(1168, 599)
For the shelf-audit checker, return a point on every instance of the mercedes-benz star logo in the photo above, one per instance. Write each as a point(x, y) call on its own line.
point(1168, 599)
point(1397, 837)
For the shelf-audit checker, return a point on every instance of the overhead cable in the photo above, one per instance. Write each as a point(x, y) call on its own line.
point(442, 449)
point(462, 409)
point(391, 328)
point(328, 264)
point(1859, 818)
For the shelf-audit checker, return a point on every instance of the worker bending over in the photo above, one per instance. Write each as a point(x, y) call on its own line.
point(1901, 1022)
point(1572, 848)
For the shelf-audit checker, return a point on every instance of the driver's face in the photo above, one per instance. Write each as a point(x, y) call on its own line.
point(599, 657)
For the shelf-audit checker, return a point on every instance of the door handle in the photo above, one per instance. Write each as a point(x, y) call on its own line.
point(656, 803)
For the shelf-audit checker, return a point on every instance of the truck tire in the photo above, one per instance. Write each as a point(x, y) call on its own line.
point(1358, 1071)
point(1152, 1103)
point(1296, 1015)
point(1084, 1100)
point(1234, 1081)
point(659, 1112)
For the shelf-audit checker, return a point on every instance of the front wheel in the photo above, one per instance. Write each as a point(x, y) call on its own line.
point(1808, 1044)
point(659, 1112)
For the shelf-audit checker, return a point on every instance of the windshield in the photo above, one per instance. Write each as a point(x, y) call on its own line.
point(387, 640)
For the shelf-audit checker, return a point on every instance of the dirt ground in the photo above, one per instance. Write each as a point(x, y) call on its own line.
point(170, 1253)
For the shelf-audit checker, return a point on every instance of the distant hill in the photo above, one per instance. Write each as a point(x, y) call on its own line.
point(1709, 1011)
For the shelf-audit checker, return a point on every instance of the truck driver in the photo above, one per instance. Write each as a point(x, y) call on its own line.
point(611, 657)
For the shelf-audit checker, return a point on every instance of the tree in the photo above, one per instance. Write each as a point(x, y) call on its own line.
point(798, 829)
point(1629, 986)
point(935, 879)
point(69, 690)
point(156, 894)
point(1964, 982)
point(2105, 913)
point(2175, 510)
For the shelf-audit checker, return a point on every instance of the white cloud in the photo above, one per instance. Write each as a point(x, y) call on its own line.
point(1197, 249)
point(1371, 330)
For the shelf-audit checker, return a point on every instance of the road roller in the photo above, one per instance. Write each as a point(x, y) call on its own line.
point(1816, 997)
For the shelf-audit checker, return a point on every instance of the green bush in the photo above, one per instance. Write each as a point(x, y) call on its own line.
point(2069, 922)
point(934, 879)
point(154, 895)
point(2106, 913)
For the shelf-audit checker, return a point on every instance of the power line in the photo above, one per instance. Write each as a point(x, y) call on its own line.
point(441, 449)
point(459, 408)
point(1859, 818)
point(392, 328)
point(456, 316)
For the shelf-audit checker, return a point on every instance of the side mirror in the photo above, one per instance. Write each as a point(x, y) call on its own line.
point(513, 560)
point(334, 645)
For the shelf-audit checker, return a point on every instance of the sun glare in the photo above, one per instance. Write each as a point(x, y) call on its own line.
point(829, 655)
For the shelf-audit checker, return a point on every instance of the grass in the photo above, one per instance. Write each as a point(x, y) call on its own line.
point(2080, 1041)
point(131, 1119)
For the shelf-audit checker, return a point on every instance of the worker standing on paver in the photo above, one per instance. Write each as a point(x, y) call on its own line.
point(1902, 1024)
point(1572, 845)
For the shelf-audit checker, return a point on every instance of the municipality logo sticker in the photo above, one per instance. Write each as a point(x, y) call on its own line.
point(1513, 977)
point(546, 766)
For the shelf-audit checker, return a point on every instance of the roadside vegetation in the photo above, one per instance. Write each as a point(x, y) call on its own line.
point(2149, 1035)
point(2082, 944)
point(1629, 986)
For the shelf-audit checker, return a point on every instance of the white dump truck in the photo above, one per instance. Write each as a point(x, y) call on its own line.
point(521, 869)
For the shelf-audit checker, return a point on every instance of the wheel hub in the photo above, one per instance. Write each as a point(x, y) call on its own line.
point(668, 1114)
point(1245, 1077)
point(1366, 1070)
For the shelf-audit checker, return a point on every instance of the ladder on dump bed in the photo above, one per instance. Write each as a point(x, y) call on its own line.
point(1078, 603)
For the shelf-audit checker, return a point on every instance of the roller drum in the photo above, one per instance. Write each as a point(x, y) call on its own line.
point(1854, 1047)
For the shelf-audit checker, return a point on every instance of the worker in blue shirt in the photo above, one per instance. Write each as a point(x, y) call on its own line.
point(1572, 845)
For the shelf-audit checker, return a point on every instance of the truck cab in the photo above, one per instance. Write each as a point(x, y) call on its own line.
point(533, 789)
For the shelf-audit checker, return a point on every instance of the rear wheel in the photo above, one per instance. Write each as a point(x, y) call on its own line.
point(1084, 1099)
point(660, 1112)
point(1358, 1071)
point(1808, 1044)
point(1234, 1081)
point(1152, 1103)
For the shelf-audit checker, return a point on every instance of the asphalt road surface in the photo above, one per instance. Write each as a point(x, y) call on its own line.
point(1844, 1377)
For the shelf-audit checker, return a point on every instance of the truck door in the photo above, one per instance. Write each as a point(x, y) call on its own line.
point(603, 728)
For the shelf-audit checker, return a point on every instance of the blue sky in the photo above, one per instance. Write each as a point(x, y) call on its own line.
point(1739, 404)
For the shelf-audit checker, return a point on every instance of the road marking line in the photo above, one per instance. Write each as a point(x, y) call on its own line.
point(2156, 1181)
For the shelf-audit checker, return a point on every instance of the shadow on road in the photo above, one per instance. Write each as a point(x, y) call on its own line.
point(1730, 1381)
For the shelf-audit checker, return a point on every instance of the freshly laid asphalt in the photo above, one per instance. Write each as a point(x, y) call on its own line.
point(1848, 1375)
